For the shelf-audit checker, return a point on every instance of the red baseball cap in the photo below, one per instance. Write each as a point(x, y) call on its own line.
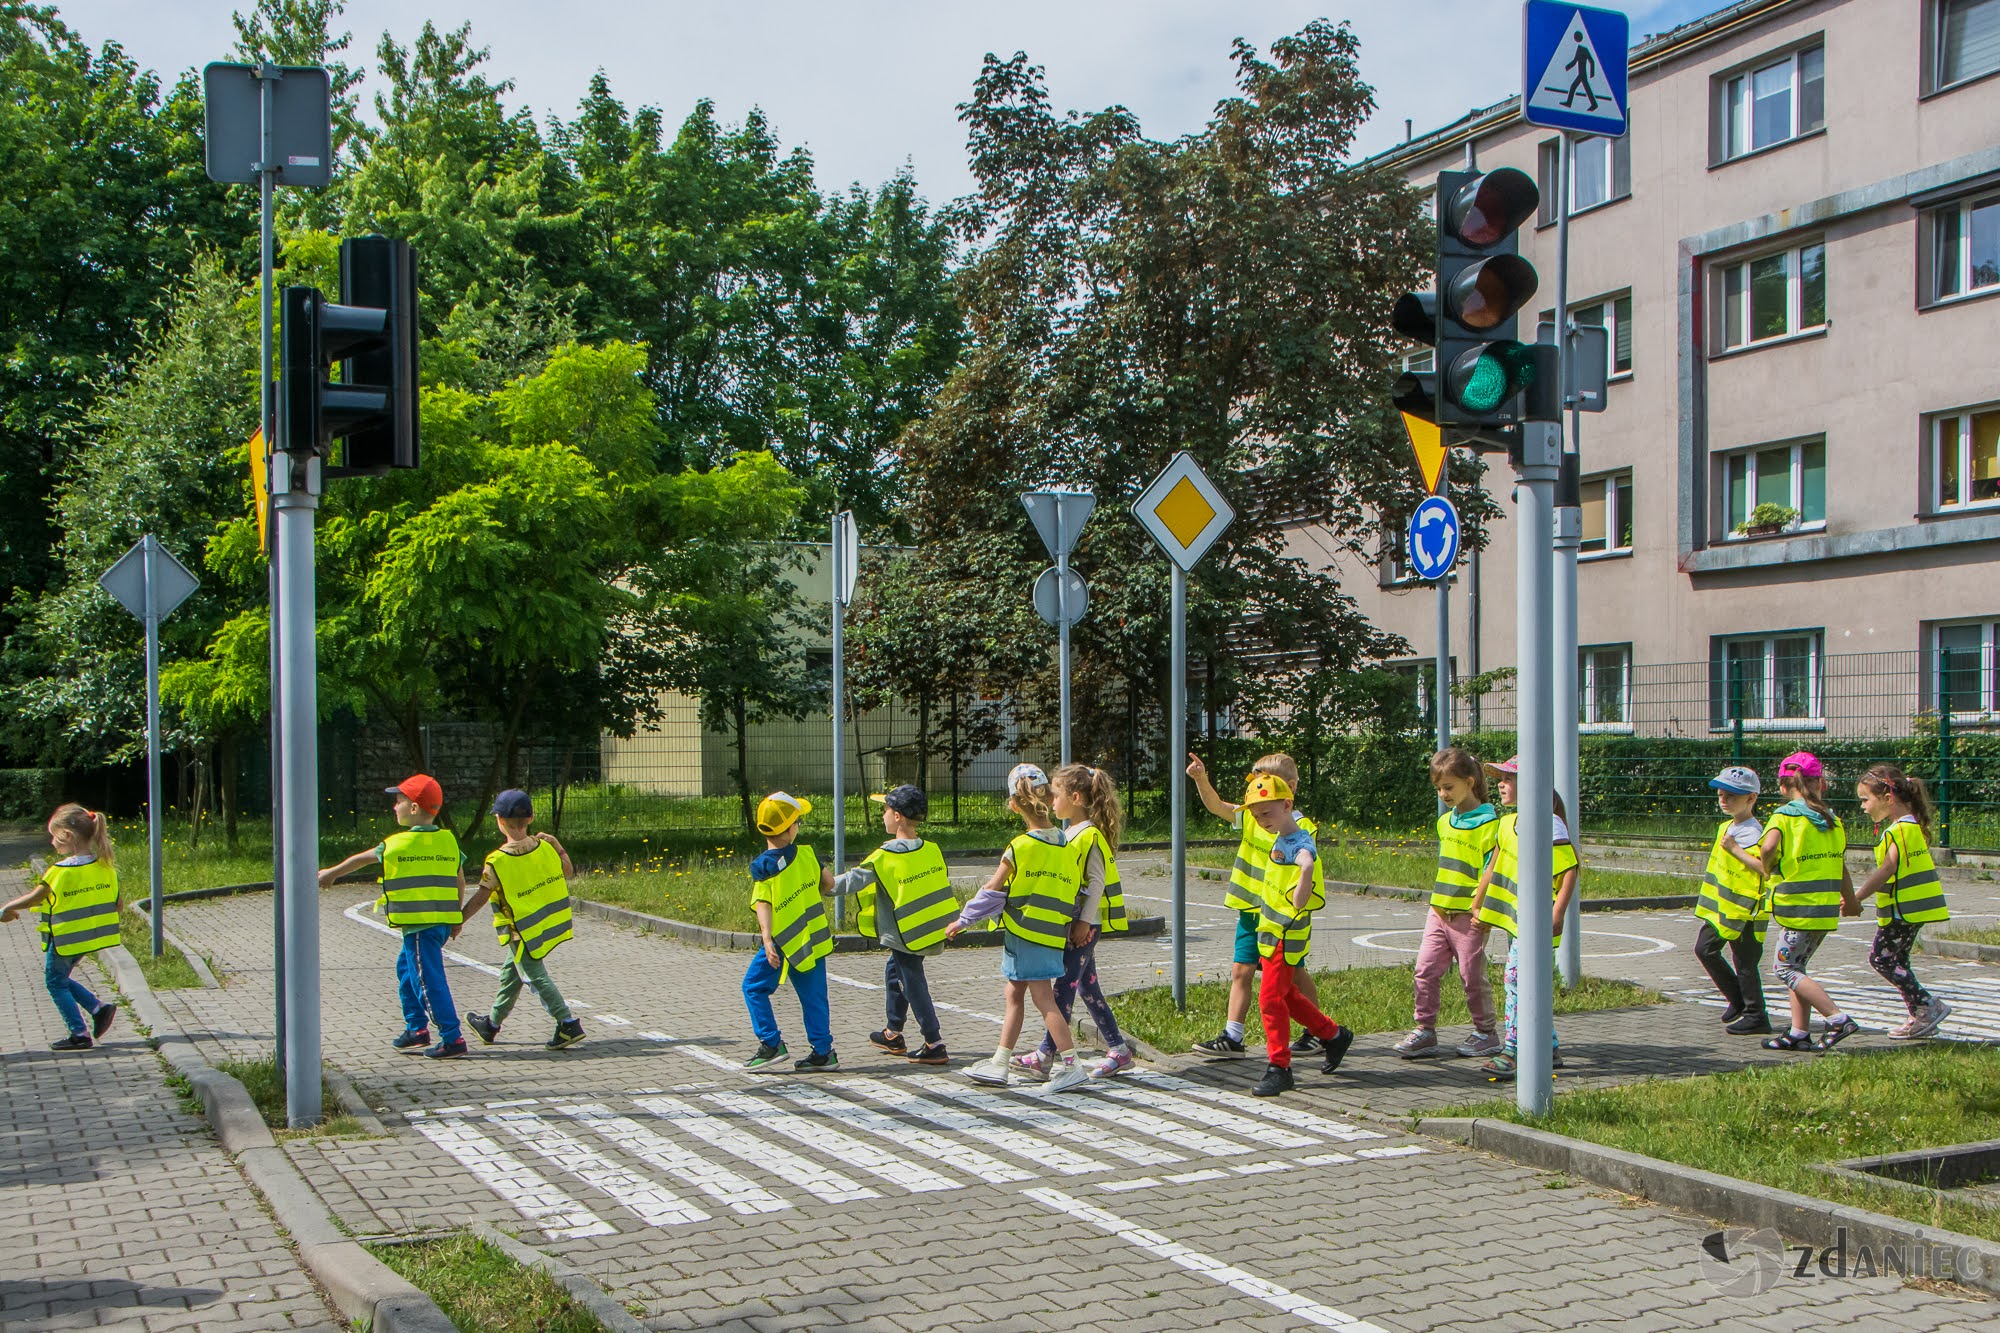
point(421, 788)
point(1803, 763)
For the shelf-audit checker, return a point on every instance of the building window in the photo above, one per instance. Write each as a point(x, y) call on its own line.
point(1603, 683)
point(1615, 316)
point(1607, 514)
point(1420, 361)
point(1788, 476)
point(1965, 247)
point(1773, 102)
point(1963, 670)
point(1768, 680)
point(1774, 296)
point(1965, 459)
point(1600, 173)
point(1965, 40)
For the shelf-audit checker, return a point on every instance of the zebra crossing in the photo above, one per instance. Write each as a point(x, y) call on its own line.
point(692, 1154)
point(1974, 999)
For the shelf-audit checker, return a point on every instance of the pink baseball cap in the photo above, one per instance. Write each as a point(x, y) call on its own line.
point(1804, 764)
point(1511, 768)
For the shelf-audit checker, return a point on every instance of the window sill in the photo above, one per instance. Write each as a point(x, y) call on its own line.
point(1951, 88)
point(1945, 515)
point(1619, 377)
point(1772, 724)
point(1604, 728)
point(1907, 538)
point(1800, 530)
point(1803, 335)
point(1576, 213)
point(1816, 133)
point(1622, 553)
point(1964, 298)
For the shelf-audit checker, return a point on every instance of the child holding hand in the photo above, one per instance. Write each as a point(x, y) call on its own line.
point(1467, 832)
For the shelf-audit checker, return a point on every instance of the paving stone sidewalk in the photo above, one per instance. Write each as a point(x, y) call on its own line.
point(117, 1209)
point(886, 1198)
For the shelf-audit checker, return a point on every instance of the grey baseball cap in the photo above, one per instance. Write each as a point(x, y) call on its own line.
point(1743, 781)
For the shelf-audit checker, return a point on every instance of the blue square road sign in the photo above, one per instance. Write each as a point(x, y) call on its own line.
point(1573, 67)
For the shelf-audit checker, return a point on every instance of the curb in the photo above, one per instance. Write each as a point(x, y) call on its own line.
point(1661, 902)
point(1740, 1203)
point(1965, 949)
point(613, 1316)
point(362, 1286)
point(1144, 927)
point(194, 960)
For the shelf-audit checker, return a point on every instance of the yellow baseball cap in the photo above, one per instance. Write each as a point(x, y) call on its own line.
point(779, 811)
point(1266, 787)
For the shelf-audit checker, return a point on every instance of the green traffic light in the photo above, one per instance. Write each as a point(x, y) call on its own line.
point(1485, 386)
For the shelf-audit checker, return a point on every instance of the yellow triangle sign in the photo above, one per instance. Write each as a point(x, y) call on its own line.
point(1428, 443)
point(260, 487)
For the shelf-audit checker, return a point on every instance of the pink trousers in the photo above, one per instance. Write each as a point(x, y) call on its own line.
point(1448, 937)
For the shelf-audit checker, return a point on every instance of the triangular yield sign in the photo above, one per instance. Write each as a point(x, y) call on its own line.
point(1427, 442)
point(1574, 79)
point(260, 487)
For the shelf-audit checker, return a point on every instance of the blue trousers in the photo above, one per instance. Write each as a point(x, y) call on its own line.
point(420, 981)
point(67, 991)
point(761, 979)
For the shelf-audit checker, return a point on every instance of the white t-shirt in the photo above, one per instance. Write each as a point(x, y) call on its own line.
point(1747, 832)
point(1562, 829)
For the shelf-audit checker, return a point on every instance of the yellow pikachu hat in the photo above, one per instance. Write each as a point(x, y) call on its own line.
point(1266, 787)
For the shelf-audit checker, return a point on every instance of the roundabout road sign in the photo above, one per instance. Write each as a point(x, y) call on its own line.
point(1432, 540)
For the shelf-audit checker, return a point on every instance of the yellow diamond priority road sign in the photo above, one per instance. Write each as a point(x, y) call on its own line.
point(1183, 511)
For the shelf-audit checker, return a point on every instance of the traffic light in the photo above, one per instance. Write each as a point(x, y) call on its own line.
point(373, 331)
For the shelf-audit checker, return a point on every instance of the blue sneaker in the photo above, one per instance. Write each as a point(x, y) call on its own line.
point(412, 1040)
point(446, 1050)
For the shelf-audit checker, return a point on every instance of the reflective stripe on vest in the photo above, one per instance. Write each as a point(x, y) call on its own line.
point(1501, 907)
point(798, 918)
point(921, 903)
point(82, 912)
point(1278, 920)
point(1041, 893)
point(1111, 916)
point(1462, 854)
point(1915, 895)
point(1811, 861)
point(1253, 859)
point(538, 907)
point(1731, 892)
point(420, 870)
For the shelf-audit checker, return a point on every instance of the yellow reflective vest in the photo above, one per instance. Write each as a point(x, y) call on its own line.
point(1732, 894)
point(1041, 891)
point(531, 912)
point(1914, 895)
point(1462, 855)
point(921, 903)
point(1810, 863)
point(1280, 923)
point(1253, 859)
point(1111, 917)
point(798, 917)
point(420, 873)
point(81, 915)
point(1502, 905)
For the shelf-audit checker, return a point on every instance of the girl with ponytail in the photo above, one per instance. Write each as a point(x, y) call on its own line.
point(78, 901)
point(1905, 885)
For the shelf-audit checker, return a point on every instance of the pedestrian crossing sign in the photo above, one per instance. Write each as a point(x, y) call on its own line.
point(1573, 67)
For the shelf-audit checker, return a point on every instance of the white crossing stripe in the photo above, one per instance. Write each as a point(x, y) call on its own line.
point(1203, 1113)
point(821, 1182)
point(1049, 1122)
point(1142, 1122)
point(359, 915)
point(1325, 1159)
point(934, 1146)
point(912, 1176)
point(1193, 1177)
point(700, 1053)
point(1270, 1293)
point(519, 1184)
point(614, 1020)
point(1120, 1186)
point(1251, 1106)
point(651, 1203)
point(1401, 1150)
point(1019, 1142)
point(717, 1182)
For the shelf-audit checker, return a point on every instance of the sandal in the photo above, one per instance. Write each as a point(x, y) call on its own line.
point(1500, 1066)
point(1787, 1042)
point(1833, 1036)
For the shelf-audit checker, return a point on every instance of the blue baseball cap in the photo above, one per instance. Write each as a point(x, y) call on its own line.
point(513, 804)
point(1736, 778)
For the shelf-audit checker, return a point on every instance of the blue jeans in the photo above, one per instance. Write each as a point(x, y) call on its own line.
point(67, 991)
point(761, 979)
point(420, 980)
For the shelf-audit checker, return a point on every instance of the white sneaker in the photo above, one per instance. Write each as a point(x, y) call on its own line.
point(1420, 1043)
point(1481, 1043)
point(991, 1071)
point(1068, 1074)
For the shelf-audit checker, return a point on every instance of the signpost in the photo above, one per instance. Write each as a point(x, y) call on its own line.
point(1427, 443)
point(1184, 513)
point(150, 583)
point(1059, 517)
point(846, 557)
point(1431, 541)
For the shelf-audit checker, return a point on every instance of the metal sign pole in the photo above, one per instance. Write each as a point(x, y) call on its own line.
point(839, 698)
point(1177, 775)
point(154, 875)
point(1062, 626)
point(1568, 538)
point(299, 739)
point(1442, 684)
point(1536, 473)
point(267, 185)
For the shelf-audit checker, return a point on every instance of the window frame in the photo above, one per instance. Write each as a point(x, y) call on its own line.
point(1934, 502)
point(1987, 710)
point(1795, 302)
point(1548, 167)
point(1769, 720)
point(1930, 237)
point(1724, 112)
point(1748, 453)
point(1613, 514)
point(1587, 721)
point(1932, 82)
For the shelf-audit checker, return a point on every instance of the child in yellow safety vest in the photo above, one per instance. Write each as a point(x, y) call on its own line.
point(1294, 887)
point(1905, 887)
point(787, 882)
point(1246, 895)
point(423, 885)
point(77, 899)
point(906, 901)
point(527, 878)
point(1497, 903)
point(1806, 846)
point(1732, 907)
point(1467, 832)
point(1033, 893)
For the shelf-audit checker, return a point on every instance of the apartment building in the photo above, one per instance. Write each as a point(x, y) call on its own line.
point(1793, 495)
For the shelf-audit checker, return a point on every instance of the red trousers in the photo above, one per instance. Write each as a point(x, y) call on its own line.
point(1280, 1003)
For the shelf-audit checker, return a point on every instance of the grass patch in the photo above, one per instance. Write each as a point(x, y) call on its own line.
point(265, 1083)
point(479, 1287)
point(170, 971)
point(1769, 1123)
point(1367, 999)
point(1971, 934)
point(184, 1094)
point(1412, 864)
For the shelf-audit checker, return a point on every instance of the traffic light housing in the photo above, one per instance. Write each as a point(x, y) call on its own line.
point(372, 406)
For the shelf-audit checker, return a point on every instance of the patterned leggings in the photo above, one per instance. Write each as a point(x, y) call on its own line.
point(1513, 979)
point(1890, 957)
point(1080, 976)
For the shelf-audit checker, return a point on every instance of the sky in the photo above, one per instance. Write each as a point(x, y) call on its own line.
point(870, 87)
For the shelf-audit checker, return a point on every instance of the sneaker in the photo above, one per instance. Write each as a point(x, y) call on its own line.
point(1482, 1043)
point(446, 1050)
point(1906, 1030)
point(1115, 1062)
point(1335, 1049)
point(885, 1040)
point(1306, 1044)
point(992, 1071)
point(488, 1030)
point(1277, 1079)
point(100, 1022)
point(413, 1041)
point(1221, 1046)
point(819, 1062)
point(1753, 1021)
point(1935, 1014)
point(930, 1053)
point(567, 1034)
point(1067, 1074)
point(766, 1056)
point(1420, 1042)
point(1033, 1067)
point(1732, 1011)
point(76, 1041)
point(1835, 1034)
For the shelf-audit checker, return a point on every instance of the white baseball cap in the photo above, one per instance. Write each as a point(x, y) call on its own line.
point(1743, 781)
point(1032, 772)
